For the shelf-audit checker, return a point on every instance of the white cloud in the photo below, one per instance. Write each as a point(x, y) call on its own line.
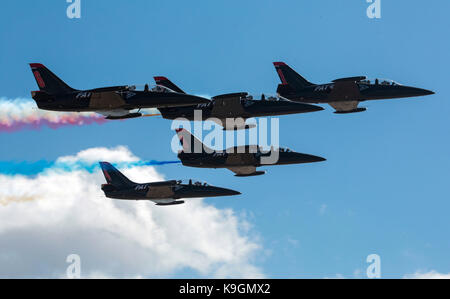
point(427, 275)
point(45, 218)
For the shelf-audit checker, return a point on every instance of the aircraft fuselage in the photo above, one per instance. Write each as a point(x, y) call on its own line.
point(349, 91)
point(110, 99)
point(165, 190)
point(238, 106)
point(237, 158)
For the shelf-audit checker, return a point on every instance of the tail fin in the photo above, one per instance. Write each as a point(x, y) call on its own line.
point(163, 81)
point(115, 177)
point(190, 143)
point(290, 77)
point(49, 82)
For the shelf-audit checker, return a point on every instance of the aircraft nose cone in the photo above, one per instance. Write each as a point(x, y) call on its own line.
point(312, 158)
point(426, 92)
point(421, 92)
point(228, 192)
point(295, 158)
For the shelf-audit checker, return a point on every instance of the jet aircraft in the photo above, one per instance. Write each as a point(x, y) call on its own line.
point(343, 94)
point(113, 102)
point(243, 161)
point(233, 106)
point(162, 193)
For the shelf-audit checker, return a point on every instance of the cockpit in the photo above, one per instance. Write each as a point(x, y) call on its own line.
point(192, 182)
point(378, 81)
point(162, 89)
point(262, 149)
point(146, 87)
point(263, 98)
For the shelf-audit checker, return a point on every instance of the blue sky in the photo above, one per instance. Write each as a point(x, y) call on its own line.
point(384, 188)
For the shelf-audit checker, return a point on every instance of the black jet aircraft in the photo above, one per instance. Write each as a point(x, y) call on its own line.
point(243, 160)
point(343, 94)
point(113, 102)
point(162, 193)
point(233, 106)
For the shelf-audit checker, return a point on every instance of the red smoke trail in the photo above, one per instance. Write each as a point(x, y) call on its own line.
point(21, 114)
point(36, 124)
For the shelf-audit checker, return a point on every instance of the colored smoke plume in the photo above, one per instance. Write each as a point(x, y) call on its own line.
point(19, 114)
point(34, 168)
point(6, 200)
point(46, 217)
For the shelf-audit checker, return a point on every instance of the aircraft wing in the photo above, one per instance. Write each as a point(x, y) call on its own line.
point(236, 125)
point(345, 97)
point(245, 171)
point(346, 107)
point(118, 114)
point(122, 114)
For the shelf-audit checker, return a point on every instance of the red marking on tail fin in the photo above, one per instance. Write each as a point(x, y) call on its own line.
point(279, 63)
point(160, 79)
point(39, 79)
point(107, 175)
point(36, 65)
point(280, 73)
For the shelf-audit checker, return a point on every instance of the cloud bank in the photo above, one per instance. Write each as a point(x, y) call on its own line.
point(428, 275)
point(46, 217)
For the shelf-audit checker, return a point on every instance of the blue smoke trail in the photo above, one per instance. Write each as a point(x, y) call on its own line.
point(34, 168)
